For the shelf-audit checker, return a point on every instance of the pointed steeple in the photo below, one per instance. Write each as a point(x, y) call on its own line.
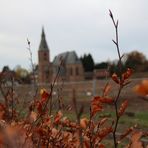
point(43, 43)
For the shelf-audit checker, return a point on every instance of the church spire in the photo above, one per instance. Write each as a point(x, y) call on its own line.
point(43, 43)
point(43, 33)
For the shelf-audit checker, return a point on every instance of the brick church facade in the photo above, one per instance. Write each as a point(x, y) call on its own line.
point(70, 70)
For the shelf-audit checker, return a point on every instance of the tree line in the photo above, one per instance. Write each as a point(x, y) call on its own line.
point(135, 60)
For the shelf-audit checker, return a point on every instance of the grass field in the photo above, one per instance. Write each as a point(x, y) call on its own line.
point(137, 106)
point(136, 113)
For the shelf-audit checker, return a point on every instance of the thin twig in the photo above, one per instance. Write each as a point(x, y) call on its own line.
point(33, 70)
point(78, 116)
point(116, 42)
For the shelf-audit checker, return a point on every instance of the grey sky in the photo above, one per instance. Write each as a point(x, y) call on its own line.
point(80, 25)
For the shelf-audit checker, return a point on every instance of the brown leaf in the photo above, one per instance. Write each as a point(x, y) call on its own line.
point(106, 100)
point(115, 78)
point(135, 140)
point(127, 132)
point(106, 89)
point(15, 137)
point(122, 108)
point(95, 109)
point(84, 122)
point(44, 95)
point(142, 89)
point(127, 74)
point(98, 100)
point(32, 117)
point(101, 145)
point(58, 117)
point(104, 132)
point(102, 121)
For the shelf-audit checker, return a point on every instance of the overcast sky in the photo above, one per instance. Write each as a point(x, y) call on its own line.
point(80, 25)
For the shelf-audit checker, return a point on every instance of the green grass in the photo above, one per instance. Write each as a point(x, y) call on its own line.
point(140, 118)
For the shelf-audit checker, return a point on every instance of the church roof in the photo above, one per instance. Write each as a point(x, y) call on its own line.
point(69, 57)
point(43, 44)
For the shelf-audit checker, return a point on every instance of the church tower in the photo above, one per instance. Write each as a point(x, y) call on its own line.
point(44, 68)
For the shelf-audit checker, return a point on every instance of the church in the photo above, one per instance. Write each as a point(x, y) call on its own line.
point(71, 68)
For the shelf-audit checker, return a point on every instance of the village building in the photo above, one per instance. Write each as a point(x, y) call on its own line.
point(68, 64)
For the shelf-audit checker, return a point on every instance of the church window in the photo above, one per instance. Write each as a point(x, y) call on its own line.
point(71, 71)
point(45, 56)
point(77, 71)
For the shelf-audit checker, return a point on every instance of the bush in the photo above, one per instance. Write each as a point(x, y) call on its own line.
point(42, 128)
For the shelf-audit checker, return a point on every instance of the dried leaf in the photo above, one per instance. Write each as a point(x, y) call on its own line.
point(127, 132)
point(15, 137)
point(102, 121)
point(101, 145)
point(32, 117)
point(87, 144)
point(135, 140)
point(39, 107)
point(106, 89)
point(115, 78)
point(84, 122)
point(104, 132)
point(127, 74)
point(95, 109)
point(142, 89)
point(58, 117)
point(122, 108)
point(44, 95)
point(106, 100)
point(98, 100)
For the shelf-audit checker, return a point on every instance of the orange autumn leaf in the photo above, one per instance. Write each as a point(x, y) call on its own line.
point(127, 132)
point(135, 140)
point(106, 89)
point(39, 107)
point(115, 78)
point(84, 122)
point(58, 117)
point(95, 109)
point(122, 108)
point(44, 95)
point(106, 100)
point(99, 99)
point(142, 89)
point(127, 74)
point(96, 104)
point(15, 137)
point(87, 144)
point(47, 121)
point(54, 132)
point(40, 131)
point(32, 117)
point(95, 100)
point(104, 132)
point(101, 145)
point(102, 121)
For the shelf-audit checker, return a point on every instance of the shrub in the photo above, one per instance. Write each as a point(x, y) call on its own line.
point(42, 128)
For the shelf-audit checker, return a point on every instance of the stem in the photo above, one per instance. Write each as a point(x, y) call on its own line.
point(117, 117)
point(90, 120)
point(33, 70)
point(45, 106)
point(116, 42)
point(78, 115)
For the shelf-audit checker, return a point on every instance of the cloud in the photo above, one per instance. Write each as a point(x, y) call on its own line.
point(81, 25)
